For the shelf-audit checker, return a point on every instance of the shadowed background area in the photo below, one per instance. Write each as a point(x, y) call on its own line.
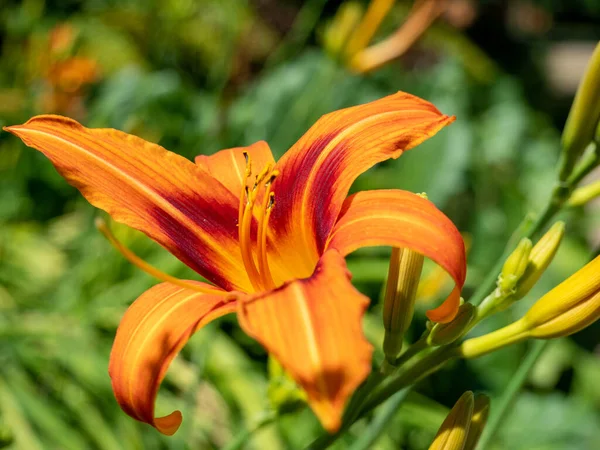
point(199, 76)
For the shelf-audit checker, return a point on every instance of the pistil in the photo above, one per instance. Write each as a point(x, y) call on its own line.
point(260, 277)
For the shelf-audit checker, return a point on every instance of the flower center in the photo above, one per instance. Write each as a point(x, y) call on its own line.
point(257, 266)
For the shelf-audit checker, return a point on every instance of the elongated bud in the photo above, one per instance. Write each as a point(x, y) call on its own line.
point(540, 258)
point(453, 433)
point(400, 293)
point(446, 333)
point(344, 23)
point(482, 345)
point(584, 116)
point(569, 307)
point(584, 194)
point(481, 411)
point(515, 266)
point(369, 25)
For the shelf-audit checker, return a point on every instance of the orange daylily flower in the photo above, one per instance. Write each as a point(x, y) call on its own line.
point(269, 237)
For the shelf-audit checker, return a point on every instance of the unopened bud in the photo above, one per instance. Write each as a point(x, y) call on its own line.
point(344, 23)
point(400, 293)
point(446, 333)
point(584, 116)
point(569, 307)
point(540, 258)
point(515, 266)
point(584, 194)
point(481, 411)
point(453, 433)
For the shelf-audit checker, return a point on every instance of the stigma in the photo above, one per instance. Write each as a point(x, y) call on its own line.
point(254, 205)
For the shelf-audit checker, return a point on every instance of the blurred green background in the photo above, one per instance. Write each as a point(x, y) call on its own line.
point(199, 76)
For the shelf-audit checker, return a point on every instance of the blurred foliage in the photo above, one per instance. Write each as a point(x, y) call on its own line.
point(205, 75)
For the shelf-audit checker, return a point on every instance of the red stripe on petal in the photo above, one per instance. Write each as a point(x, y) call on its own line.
point(141, 184)
point(317, 172)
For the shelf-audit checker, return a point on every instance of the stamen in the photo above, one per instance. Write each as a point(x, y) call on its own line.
point(244, 194)
point(151, 270)
point(260, 277)
point(245, 234)
point(267, 206)
point(262, 175)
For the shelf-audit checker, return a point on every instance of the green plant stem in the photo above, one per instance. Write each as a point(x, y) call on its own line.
point(241, 439)
point(437, 358)
point(361, 394)
point(498, 413)
point(422, 368)
point(376, 427)
point(414, 349)
point(560, 195)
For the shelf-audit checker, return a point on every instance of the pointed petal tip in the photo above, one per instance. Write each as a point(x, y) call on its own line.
point(447, 311)
point(168, 425)
point(313, 327)
point(329, 417)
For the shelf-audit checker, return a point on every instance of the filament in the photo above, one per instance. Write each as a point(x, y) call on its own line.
point(149, 269)
point(267, 206)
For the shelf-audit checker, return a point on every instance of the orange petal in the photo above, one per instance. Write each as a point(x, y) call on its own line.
point(153, 330)
point(313, 327)
point(403, 219)
point(228, 166)
point(317, 172)
point(141, 184)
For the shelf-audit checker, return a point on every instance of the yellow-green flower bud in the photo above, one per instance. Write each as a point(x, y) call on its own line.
point(515, 266)
point(481, 411)
point(584, 194)
point(400, 293)
point(369, 25)
point(540, 258)
point(453, 433)
point(569, 307)
point(584, 116)
point(344, 23)
point(482, 345)
point(446, 333)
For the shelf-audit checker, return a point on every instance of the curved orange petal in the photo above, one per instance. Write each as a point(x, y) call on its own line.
point(318, 170)
point(229, 166)
point(141, 184)
point(151, 333)
point(403, 219)
point(313, 327)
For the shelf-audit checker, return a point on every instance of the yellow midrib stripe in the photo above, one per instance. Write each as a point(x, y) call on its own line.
point(145, 190)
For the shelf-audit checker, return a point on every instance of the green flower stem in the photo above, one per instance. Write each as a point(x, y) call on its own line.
point(421, 369)
point(242, 439)
point(437, 358)
point(360, 396)
point(413, 350)
point(560, 195)
point(379, 423)
point(498, 412)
